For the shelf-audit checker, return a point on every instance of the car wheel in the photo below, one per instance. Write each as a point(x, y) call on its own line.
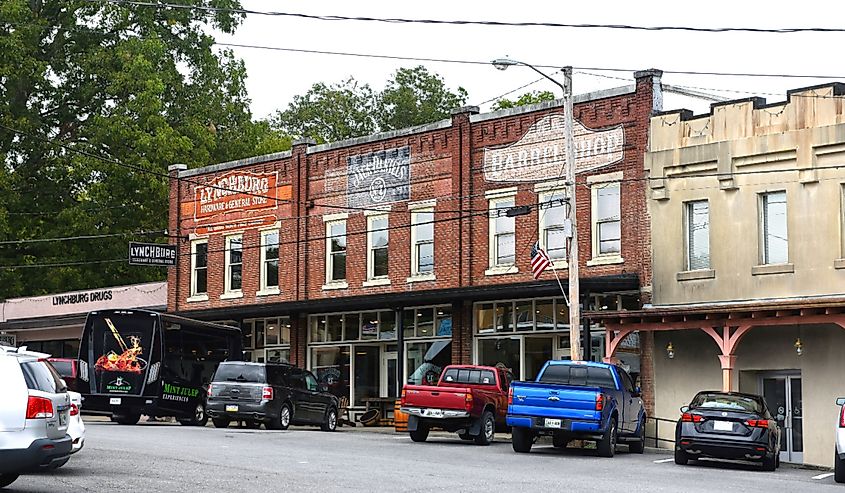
point(221, 423)
point(770, 462)
point(7, 479)
point(488, 429)
point(681, 457)
point(282, 421)
point(127, 419)
point(521, 439)
point(330, 420)
point(607, 445)
point(838, 468)
point(559, 441)
point(638, 447)
point(421, 433)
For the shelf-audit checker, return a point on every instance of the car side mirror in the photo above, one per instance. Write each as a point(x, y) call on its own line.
point(637, 392)
point(684, 409)
point(322, 387)
point(840, 401)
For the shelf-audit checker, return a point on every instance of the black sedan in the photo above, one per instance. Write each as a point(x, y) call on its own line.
point(728, 425)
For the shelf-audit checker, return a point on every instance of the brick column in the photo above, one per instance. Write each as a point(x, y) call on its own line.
point(298, 340)
point(647, 370)
point(175, 275)
point(460, 148)
point(461, 333)
point(299, 196)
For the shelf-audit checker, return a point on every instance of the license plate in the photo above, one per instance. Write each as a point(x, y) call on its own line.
point(231, 409)
point(62, 418)
point(552, 423)
point(434, 413)
point(723, 426)
point(115, 401)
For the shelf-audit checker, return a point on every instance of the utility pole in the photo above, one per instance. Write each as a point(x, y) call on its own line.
point(574, 289)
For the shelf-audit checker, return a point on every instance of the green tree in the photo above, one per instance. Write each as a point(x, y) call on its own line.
point(328, 113)
point(415, 96)
point(527, 98)
point(132, 84)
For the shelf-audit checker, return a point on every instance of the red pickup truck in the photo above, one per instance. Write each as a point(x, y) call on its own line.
point(469, 400)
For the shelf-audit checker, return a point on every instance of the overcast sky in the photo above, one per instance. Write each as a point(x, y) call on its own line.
point(275, 76)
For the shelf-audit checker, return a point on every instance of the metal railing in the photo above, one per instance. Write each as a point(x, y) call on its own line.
point(655, 422)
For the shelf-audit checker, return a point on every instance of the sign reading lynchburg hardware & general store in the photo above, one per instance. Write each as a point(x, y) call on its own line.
point(238, 191)
point(541, 153)
point(378, 177)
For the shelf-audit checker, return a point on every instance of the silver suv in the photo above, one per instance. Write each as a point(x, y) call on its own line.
point(839, 456)
point(34, 414)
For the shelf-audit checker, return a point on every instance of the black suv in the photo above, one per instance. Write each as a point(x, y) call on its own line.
point(275, 394)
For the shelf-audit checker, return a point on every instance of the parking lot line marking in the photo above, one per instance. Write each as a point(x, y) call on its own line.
point(823, 476)
point(303, 462)
point(661, 461)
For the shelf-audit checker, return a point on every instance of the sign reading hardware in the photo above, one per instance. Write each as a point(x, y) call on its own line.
point(152, 254)
point(236, 192)
point(541, 153)
point(378, 177)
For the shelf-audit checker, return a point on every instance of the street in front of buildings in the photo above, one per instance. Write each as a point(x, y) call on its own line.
point(167, 457)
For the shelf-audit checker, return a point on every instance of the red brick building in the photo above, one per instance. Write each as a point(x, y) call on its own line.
point(355, 258)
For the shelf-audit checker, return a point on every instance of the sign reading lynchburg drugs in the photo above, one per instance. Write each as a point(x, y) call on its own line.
point(152, 254)
point(378, 177)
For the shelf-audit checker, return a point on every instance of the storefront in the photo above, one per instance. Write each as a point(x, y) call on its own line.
point(53, 323)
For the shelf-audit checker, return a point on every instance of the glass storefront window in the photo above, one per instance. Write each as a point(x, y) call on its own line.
point(259, 334)
point(484, 318)
point(387, 325)
point(538, 350)
point(367, 371)
point(331, 367)
point(318, 329)
point(562, 315)
point(284, 323)
point(500, 350)
point(408, 323)
point(421, 372)
point(425, 322)
point(524, 315)
point(444, 321)
point(246, 330)
point(278, 355)
point(352, 326)
point(271, 333)
point(369, 326)
point(504, 317)
point(544, 314)
point(334, 328)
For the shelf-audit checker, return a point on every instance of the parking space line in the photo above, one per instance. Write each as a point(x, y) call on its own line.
point(823, 476)
point(661, 461)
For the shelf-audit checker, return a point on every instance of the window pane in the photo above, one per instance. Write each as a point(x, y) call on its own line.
point(503, 350)
point(504, 224)
point(556, 244)
point(425, 228)
point(444, 320)
point(351, 326)
point(367, 370)
point(334, 328)
point(775, 234)
point(538, 350)
point(524, 315)
point(387, 325)
point(544, 314)
point(272, 273)
point(338, 233)
point(235, 279)
point(425, 257)
point(202, 280)
point(554, 213)
point(271, 332)
point(284, 337)
point(235, 252)
point(259, 334)
point(562, 315)
point(318, 329)
point(201, 254)
point(380, 262)
point(379, 232)
point(608, 202)
point(504, 317)
point(610, 246)
point(331, 367)
point(338, 266)
point(370, 326)
point(271, 246)
point(408, 323)
point(425, 322)
point(484, 318)
point(698, 222)
point(505, 249)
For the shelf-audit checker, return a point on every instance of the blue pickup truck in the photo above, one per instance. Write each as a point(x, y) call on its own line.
point(577, 400)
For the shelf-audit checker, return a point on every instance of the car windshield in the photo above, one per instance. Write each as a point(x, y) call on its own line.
point(582, 376)
point(240, 373)
point(726, 402)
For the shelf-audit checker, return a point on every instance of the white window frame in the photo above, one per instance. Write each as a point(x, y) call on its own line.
point(543, 197)
point(372, 280)
point(265, 289)
point(228, 292)
point(603, 258)
point(688, 209)
point(415, 210)
point(841, 225)
point(330, 220)
point(495, 198)
point(763, 221)
point(195, 296)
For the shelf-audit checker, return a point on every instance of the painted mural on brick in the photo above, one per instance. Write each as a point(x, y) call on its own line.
point(541, 154)
point(378, 177)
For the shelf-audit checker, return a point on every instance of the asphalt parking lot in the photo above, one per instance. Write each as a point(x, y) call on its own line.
point(168, 457)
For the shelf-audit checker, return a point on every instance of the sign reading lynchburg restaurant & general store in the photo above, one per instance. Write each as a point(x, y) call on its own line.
point(541, 154)
point(378, 177)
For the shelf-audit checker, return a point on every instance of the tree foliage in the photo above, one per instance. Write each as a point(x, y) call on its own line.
point(413, 96)
point(88, 84)
point(527, 98)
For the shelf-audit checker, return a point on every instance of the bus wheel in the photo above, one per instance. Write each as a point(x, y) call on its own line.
point(127, 419)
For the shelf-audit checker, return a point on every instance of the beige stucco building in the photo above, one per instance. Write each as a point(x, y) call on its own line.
point(746, 208)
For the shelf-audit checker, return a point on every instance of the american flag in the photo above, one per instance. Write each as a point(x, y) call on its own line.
point(539, 260)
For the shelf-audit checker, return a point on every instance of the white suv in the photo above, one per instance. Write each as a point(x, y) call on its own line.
point(839, 456)
point(34, 414)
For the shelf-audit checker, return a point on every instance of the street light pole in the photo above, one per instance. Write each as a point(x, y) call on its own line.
point(568, 117)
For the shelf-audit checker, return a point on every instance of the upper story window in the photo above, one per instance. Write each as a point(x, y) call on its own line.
point(199, 267)
point(607, 224)
point(697, 219)
point(377, 246)
point(774, 242)
point(422, 241)
point(336, 251)
point(502, 233)
point(552, 217)
point(269, 260)
point(234, 263)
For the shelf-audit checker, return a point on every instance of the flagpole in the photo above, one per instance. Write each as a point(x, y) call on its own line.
point(565, 298)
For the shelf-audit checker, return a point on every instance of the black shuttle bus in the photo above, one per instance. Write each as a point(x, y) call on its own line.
point(134, 362)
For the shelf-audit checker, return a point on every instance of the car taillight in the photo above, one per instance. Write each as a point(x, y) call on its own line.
point(402, 398)
point(599, 402)
point(842, 417)
point(757, 423)
point(39, 407)
point(468, 401)
point(74, 410)
point(510, 396)
point(267, 393)
point(692, 418)
point(208, 392)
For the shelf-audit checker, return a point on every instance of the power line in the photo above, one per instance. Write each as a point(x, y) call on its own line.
point(80, 237)
point(401, 20)
point(62, 264)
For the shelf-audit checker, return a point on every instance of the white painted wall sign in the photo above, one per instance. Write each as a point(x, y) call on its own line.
point(541, 154)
